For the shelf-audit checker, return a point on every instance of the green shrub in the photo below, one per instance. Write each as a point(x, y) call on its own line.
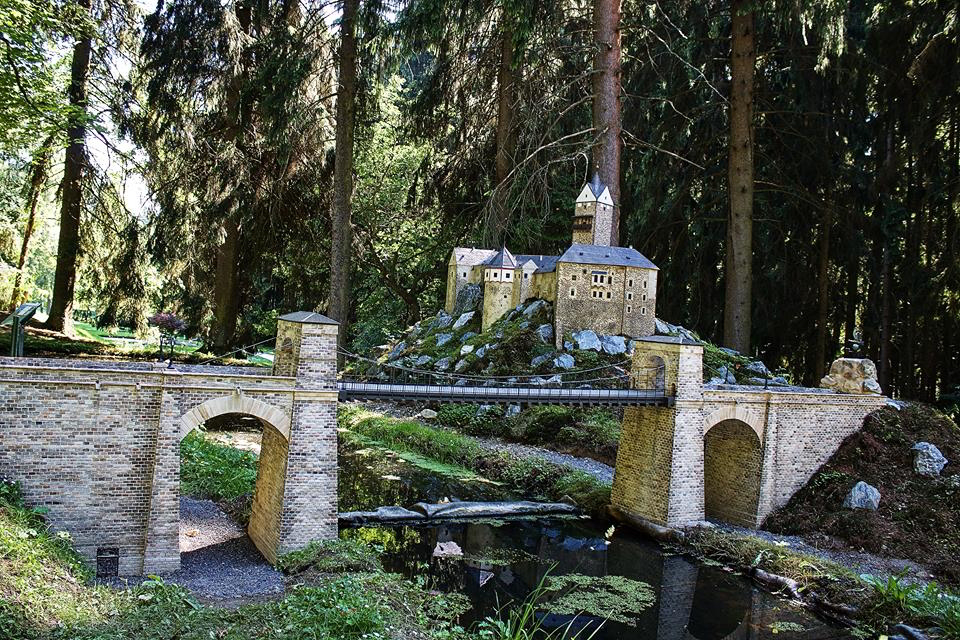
point(331, 556)
point(215, 471)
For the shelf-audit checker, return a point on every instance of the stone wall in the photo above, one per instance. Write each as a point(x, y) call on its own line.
point(98, 446)
point(674, 461)
point(499, 297)
point(582, 304)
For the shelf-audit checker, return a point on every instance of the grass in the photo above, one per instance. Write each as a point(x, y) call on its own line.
point(531, 478)
point(593, 433)
point(217, 472)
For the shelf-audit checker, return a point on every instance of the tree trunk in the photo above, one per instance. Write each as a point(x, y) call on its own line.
point(226, 293)
point(39, 167)
point(506, 141)
point(606, 102)
point(823, 311)
point(341, 229)
point(71, 199)
point(739, 254)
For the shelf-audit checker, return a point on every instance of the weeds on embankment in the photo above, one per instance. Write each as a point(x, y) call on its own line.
point(874, 605)
point(532, 478)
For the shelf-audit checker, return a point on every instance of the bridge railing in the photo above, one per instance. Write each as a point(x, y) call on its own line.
point(608, 377)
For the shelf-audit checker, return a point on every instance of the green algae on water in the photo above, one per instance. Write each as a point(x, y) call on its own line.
point(614, 598)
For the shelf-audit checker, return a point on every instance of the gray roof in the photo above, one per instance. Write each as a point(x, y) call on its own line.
point(596, 185)
point(306, 317)
point(502, 260)
point(545, 264)
point(596, 254)
point(470, 257)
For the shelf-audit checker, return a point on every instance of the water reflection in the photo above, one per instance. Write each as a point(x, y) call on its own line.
point(497, 562)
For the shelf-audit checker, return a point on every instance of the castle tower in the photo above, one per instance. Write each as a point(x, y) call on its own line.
point(500, 287)
point(593, 214)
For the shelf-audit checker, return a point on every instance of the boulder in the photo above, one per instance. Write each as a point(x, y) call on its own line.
point(460, 366)
point(397, 350)
point(524, 324)
point(468, 299)
point(484, 409)
point(758, 368)
point(512, 410)
point(928, 460)
point(422, 361)
point(465, 349)
point(539, 360)
point(852, 375)
point(613, 345)
point(463, 319)
point(482, 351)
point(564, 361)
point(444, 338)
point(428, 414)
point(544, 333)
point(467, 336)
point(448, 549)
point(534, 308)
point(726, 376)
point(441, 321)
point(567, 345)
point(587, 339)
point(443, 364)
point(862, 496)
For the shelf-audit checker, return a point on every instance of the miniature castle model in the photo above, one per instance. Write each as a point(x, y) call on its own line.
point(611, 290)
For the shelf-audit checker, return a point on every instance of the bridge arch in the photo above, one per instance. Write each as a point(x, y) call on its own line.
point(235, 403)
point(266, 512)
point(735, 412)
point(732, 465)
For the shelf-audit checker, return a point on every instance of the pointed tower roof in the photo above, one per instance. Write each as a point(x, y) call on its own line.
point(595, 191)
point(503, 259)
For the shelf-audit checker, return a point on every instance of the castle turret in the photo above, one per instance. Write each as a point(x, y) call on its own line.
point(500, 287)
point(593, 214)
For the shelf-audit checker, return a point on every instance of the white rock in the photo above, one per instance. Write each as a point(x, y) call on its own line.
point(545, 333)
point(512, 410)
point(464, 319)
point(428, 414)
point(533, 308)
point(444, 338)
point(862, 496)
point(465, 349)
point(447, 550)
point(564, 361)
point(587, 339)
point(613, 345)
point(852, 375)
point(928, 460)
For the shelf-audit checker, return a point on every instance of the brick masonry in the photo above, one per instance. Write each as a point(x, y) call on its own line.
point(97, 444)
point(730, 453)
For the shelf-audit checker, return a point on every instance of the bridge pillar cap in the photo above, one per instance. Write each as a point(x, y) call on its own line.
point(308, 317)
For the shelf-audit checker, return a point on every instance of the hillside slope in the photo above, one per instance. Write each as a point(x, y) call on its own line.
point(918, 517)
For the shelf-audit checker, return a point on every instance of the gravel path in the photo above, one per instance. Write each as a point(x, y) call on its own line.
point(202, 523)
point(600, 471)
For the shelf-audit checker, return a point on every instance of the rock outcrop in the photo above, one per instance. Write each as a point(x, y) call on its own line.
point(852, 375)
point(928, 460)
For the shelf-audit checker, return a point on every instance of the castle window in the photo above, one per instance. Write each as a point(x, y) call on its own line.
point(504, 296)
point(573, 293)
point(526, 276)
point(464, 274)
point(630, 282)
point(609, 279)
point(601, 277)
point(506, 276)
point(644, 284)
point(574, 277)
point(608, 295)
point(644, 297)
point(629, 295)
point(584, 271)
point(643, 311)
point(629, 309)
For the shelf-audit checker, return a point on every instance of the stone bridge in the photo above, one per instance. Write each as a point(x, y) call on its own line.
point(723, 452)
point(96, 443)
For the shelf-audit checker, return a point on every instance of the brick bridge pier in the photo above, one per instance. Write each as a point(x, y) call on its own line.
point(96, 443)
point(723, 452)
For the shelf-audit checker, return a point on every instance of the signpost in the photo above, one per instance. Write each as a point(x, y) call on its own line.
point(18, 321)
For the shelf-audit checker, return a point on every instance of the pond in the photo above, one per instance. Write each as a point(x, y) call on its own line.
point(593, 569)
